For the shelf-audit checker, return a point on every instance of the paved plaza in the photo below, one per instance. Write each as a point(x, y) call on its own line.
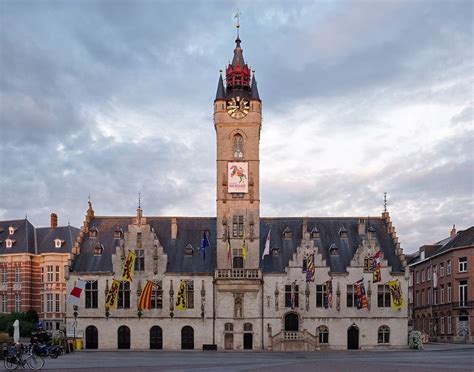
point(440, 357)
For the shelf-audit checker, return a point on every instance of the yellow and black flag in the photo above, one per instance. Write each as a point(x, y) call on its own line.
point(111, 298)
point(396, 293)
point(144, 302)
point(181, 296)
point(129, 267)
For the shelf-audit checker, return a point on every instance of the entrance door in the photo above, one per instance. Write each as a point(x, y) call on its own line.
point(187, 338)
point(156, 338)
point(353, 338)
point(124, 337)
point(92, 337)
point(229, 341)
point(291, 322)
point(248, 341)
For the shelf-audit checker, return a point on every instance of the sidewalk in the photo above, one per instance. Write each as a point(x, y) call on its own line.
point(444, 346)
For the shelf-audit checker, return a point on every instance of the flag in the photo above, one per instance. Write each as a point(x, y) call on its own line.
point(396, 293)
point(266, 251)
point(377, 274)
point(229, 249)
point(111, 298)
point(144, 302)
point(361, 296)
point(129, 267)
point(435, 276)
point(310, 268)
point(244, 250)
point(75, 295)
point(328, 294)
point(181, 296)
point(204, 244)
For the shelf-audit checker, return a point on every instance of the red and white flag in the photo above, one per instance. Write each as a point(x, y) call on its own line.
point(266, 251)
point(75, 295)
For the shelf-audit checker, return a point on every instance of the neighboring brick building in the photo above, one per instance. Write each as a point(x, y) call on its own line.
point(442, 288)
point(32, 262)
point(236, 299)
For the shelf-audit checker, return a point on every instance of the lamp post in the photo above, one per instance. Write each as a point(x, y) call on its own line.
point(74, 326)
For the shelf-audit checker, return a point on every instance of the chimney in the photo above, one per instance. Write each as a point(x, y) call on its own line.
point(361, 227)
point(453, 231)
point(54, 220)
point(174, 228)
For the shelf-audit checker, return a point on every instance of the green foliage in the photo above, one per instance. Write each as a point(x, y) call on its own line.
point(415, 341)
point(5, 338)
point(28, 321)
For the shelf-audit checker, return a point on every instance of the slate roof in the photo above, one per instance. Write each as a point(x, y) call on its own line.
point(254, 89)
point(29, 239)
point(464, 238)
point(328, 234)
point(24, 236)
point(220, 94)
point(45, 237)
point(190, 232)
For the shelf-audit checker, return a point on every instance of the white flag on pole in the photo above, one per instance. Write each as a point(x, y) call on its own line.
point(75, 295)
point(266, 251)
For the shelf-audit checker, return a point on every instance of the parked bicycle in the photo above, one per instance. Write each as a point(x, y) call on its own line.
point(45, 350)
point(20, 356)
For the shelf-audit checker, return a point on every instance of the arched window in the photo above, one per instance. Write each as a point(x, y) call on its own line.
point(123, 337)
point(92, 337)
point(323, 334)
point(384, 335)
point(238, 147)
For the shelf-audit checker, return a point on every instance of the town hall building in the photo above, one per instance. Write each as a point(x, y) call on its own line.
point(262, 283)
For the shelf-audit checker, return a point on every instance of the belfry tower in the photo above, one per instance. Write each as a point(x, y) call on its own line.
point(238, 121)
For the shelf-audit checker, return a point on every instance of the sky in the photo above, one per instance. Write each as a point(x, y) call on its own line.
point(112, 98)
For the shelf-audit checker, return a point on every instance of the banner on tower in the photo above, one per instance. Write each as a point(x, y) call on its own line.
point(238, 178)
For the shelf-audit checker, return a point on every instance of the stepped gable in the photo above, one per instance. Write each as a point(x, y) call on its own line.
point(189, 232)
point(328, 234)
point(45, 237)
point(24, 236)
point(86, 260)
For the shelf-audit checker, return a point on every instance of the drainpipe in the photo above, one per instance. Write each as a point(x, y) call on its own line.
point(214, 312)
point(263, 306)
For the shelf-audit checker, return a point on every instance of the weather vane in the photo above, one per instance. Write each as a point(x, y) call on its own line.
point(139, 200)
point(385, 202)
point(237, 26)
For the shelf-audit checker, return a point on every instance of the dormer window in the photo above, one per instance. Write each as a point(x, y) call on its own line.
point(315, 233)
point(58, 243)
point(275, 252)
point(118, 233)
point(1, 230)
point(188, 250)
point(371, 231)
point(9, 242)
point(98, 249)
point(287, 234)
point(93, 232)
point(333, 250)
point(343, 233)
point(12, 229)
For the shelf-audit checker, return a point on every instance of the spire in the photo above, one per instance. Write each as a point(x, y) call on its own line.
point(254, 88)
point(220, 94)
point(238, 55)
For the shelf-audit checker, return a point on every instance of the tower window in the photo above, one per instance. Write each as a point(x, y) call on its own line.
point(238, 226)
point(238, 147)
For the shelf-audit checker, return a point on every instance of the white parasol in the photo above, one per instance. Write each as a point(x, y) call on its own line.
point(16, 331)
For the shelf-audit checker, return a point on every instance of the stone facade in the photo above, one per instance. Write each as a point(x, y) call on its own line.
point(239, 296)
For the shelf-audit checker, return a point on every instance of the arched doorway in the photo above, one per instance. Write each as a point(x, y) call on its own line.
point(353, 338)
point(123, 337)
point(156, 338)
point(187, 338)
point(291, 322)
point(248, 336)
point(92, 337)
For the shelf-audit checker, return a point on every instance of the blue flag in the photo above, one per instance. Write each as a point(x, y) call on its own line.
point(204, 244)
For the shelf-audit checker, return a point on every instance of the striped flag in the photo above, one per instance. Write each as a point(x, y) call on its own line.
point(310, 268)
point(377, 274)
point(129, 267)
point(328, 294)
point(361, 296)
point(144, 302)
point(111, 298)
point(244, 249)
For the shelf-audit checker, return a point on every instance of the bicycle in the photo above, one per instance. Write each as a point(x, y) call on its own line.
point(16, 357)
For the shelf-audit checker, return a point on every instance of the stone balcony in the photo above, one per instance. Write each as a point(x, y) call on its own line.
point(238, 274)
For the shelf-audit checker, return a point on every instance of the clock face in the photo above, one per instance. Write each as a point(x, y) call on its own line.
point(238, 107)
